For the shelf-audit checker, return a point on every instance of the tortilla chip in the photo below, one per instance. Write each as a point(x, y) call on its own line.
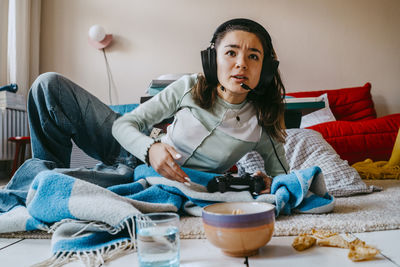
point(361, 253)
point(322, 233)
point(358, 249)
point(333, 241)
point(303, 242)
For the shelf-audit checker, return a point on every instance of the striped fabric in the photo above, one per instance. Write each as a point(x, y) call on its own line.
point(305, 148)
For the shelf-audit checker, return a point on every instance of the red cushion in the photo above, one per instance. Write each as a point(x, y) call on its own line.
point(359, 140)
point(347, 104)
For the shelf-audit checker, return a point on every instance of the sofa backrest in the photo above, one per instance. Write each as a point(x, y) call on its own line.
point(347, 104)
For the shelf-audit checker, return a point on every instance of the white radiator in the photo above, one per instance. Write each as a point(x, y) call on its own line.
point(81, 159)
point(13, 122)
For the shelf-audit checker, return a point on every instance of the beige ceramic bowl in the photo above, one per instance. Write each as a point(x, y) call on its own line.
point(240, 234)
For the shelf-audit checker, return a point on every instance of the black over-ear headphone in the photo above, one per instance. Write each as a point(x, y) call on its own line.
point(270, 65)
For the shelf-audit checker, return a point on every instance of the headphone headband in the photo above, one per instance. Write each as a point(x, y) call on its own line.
point(242, 22)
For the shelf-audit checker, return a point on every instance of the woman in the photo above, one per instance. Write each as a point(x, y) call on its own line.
point(235, 108)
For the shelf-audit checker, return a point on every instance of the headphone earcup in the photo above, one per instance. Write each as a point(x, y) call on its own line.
point(209, 62)
point(268, 72)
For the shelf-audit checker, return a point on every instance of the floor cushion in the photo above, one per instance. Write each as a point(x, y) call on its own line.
point(359, 140)
point(369, 169)
point(347, 104)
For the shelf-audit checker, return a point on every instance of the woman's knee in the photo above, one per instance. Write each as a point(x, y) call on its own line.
point(45, 82)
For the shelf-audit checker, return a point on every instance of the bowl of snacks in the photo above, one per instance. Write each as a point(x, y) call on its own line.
point(239, 228)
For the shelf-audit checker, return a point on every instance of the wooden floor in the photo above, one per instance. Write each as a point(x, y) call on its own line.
point(199, 252)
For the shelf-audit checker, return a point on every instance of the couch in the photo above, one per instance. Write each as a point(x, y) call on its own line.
point(356, 133)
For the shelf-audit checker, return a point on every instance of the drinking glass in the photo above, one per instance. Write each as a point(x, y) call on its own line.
point(158, 239)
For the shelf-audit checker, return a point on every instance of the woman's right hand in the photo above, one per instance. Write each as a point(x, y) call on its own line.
point(162, 158)
point(267, 180)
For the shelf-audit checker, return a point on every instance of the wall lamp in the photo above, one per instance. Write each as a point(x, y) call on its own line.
point(98, 37)
point(100, 40)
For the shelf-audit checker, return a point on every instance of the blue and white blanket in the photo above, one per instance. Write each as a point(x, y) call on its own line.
point(96, 224)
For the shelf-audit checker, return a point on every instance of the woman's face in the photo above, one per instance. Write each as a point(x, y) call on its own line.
point(239, 60)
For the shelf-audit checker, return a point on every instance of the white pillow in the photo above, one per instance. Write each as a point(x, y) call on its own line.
point(305, 148)
point(322, 115)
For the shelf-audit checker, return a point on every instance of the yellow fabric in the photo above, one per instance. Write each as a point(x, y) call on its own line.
point(377, 170)
point(381, 169)
point(395, 157)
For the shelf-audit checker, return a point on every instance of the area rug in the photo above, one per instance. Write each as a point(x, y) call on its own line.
point(361, 213)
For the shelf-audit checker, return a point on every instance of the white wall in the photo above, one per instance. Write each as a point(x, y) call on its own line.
point(321, 44)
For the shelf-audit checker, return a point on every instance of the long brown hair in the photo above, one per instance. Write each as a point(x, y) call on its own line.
point(269, 105)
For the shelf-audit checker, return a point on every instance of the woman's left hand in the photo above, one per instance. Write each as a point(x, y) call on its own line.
point(267, 181)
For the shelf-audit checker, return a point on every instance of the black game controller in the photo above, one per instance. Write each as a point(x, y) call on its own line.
point(254, 184)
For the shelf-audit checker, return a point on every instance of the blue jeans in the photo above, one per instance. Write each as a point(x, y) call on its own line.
point(60, 111)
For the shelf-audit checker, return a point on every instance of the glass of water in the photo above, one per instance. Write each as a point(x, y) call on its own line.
point(158, 239)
